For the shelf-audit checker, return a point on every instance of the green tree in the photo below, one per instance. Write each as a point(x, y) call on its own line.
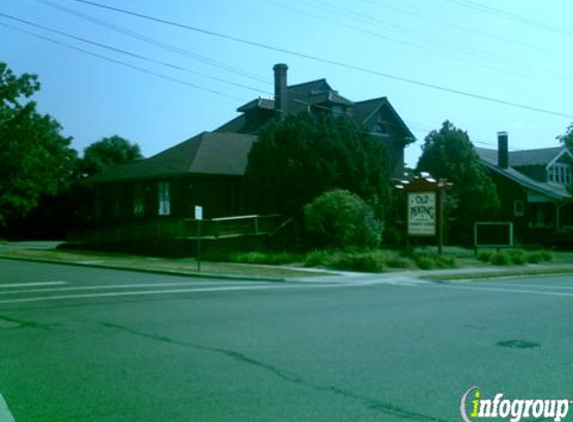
point(107, 152)
point(340, 219)
point(449, 153)
point(567, 138)
point(296, 159)
point(35, 159)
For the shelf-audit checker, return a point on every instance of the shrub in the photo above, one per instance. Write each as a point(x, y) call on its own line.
point(484, 256)
point(433, 261)
point(317, 258)
point(371, 262)
point(399, 262)
point(265, 258)
point(517, 256)
point(539, 256)
point(500, 258)
point(424, 262)
point(340, 219)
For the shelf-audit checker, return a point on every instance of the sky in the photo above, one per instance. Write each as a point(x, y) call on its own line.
point(170, 69)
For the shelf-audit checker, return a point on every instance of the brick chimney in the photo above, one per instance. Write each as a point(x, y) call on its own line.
point(281, 100)
point(502, 150)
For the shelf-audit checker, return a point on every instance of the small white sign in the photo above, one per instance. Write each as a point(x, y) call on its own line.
point(422, 213)
point(198, 212)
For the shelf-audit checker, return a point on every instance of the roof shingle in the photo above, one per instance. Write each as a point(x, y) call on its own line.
point(209, 153)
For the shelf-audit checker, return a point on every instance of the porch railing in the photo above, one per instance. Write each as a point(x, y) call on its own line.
point(172, 228)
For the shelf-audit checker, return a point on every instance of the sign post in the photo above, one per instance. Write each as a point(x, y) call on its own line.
point(198, 218)
point(425, 208)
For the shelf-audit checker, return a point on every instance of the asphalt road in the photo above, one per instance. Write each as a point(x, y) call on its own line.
point(83, 344)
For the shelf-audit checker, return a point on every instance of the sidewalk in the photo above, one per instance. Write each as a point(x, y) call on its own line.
point(454, 274)
point(45, 251)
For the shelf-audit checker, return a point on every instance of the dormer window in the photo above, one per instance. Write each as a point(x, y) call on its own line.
point(381, 125)
point(338, 110)
point(560, 173)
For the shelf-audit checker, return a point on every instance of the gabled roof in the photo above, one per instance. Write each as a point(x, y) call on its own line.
point(209, 153)
point(258, 103)
point(534, 157)
point(551, 190)
point(235, 125)
point(319, 93)
point(365, 110)
point(530, 157)
point(300, 96)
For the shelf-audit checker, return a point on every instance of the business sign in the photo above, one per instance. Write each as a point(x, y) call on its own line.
point(422, 213)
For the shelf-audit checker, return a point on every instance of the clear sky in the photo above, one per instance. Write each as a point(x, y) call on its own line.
point(176, 82)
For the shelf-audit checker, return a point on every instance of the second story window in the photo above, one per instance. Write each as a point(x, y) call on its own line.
point(381, 125)
point(560, 173)
point(338, 110)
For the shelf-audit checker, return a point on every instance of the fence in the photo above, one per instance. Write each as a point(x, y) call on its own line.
point(171, 228)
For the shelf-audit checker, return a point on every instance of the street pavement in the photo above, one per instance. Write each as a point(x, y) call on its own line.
point(88, 344)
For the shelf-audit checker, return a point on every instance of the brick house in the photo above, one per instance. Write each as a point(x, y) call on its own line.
point(208, 168)
point(534, 188)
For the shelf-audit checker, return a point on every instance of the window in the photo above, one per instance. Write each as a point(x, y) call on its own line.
point(381, 125)
point(518, 208)
point(560, 173)
point(138, 200)
point(337, 110)
point(164, 200)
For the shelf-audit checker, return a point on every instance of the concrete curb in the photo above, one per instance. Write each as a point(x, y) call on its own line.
point(151, 271)
point(456, 274)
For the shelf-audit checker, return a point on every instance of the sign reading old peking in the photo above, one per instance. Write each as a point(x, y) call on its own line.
point(422, 213)
point(425, 206)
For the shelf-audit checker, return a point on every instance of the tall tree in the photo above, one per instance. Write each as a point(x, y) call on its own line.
point(296, 159)
point(567, 138)
point(107, 152)
point(448, 153)
point(35, 159)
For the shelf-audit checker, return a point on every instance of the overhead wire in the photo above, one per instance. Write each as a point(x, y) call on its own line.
point(445, 47)
point(157, 43)
point(129, 53)
point(510, 16)
point(462, 28)
point(122, 63)
point(329, 61)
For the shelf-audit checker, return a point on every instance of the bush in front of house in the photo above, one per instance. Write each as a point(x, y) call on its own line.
point(265, 258)
point(427, 261)
point(369, 262)
point(514, 257)
point(538, 257)
point(339, 219)
point(374, 260)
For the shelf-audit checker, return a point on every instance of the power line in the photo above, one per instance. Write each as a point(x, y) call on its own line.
point(330, 62)
point(510, 16)
point(506, 63)
point(122, 63)
point(458, 27)
point(157, 43)
point(128, 53)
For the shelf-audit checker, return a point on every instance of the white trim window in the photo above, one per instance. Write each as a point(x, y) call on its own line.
point(560, 173)
point(518, 208)
point(164, 199)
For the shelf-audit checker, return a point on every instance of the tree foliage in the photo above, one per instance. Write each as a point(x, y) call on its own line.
point(35, 159)
point(107, 152)
point(340, 219)
point(567, 138)
point(449, 153)
point(298, 158)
